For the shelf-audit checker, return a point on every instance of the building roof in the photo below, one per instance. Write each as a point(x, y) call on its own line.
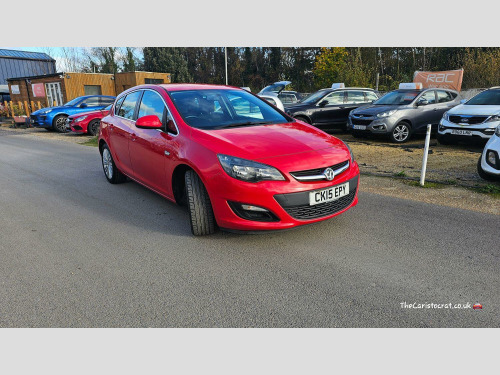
point(24, 55)
point(34, 77)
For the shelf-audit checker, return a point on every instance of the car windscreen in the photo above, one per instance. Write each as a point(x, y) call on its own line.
point(397, 98)
point(489, 97)
point(219, 108)
point(314, 97)
point(73, 102)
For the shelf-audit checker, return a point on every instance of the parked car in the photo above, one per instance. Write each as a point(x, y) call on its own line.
point(488, 165)
point(278, 88)
point(87, 122)
point(236, 161)
point(329, 108)
point(273, 99)
point(54, 118)
point(401, 113)
point(475, 119)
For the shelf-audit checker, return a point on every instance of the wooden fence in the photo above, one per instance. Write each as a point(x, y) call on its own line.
point(11, 109)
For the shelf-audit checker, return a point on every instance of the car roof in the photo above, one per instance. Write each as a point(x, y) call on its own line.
point(192, 86)
point(93, 96)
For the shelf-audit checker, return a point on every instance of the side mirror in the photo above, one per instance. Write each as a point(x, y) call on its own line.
point(83, 105)
point(322, 103)
point(149, 122)
point(422, 102)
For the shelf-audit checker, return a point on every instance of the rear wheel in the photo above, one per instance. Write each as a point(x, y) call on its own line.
point(59, 123)
point(401, 132)
point(200, 209)
point(112, 173)
point(93, 127)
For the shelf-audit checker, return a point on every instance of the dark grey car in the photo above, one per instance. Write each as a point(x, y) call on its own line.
point(401, 113)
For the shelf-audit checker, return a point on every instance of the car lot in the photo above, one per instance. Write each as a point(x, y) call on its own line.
point(77, 251)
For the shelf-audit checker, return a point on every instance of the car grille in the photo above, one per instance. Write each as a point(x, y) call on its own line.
point(357, 121)
point(307, 212)
point(317, 171)
point(468, 119)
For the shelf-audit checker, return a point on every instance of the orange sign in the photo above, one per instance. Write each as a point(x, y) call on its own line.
point(449, 79)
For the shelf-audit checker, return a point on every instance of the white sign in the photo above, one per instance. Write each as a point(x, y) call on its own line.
point(411, 86)
point(338, 86)
point(14, 89)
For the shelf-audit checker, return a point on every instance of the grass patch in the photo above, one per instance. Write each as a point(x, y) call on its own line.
point(431, 185)
point(491, 189)
point(91, 142)
point(400, 174)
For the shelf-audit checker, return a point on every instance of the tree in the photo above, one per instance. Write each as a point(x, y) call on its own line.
point(167, 60)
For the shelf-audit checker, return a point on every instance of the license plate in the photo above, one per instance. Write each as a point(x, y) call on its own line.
point(328, 195)
point(359, 127)
point(461, 132)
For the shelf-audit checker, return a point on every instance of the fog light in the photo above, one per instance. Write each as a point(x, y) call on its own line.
point(442, 127)
point(251, 212)
point(491, 157)
point(379, 127)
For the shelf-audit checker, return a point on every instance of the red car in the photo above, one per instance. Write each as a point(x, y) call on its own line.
point(237, 162)
point(88, 122)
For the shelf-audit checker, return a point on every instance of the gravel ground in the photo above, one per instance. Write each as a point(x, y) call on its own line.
point(447, 164)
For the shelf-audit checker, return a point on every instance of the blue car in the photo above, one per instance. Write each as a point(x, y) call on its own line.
point(54, 118)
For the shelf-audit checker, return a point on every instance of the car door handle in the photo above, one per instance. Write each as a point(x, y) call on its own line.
point(133, 137)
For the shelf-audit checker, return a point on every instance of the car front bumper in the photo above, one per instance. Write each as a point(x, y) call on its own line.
point(493, 146)
point(483, 130)
point(40, 121)
point(375, 125)
point(77, 127)
point(286, 200)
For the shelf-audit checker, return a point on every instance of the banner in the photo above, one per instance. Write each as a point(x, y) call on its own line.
point(448, 79)
point(38, 89)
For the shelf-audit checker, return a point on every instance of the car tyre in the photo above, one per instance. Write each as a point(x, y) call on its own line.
point(93, 127)
point(401, 132)
point(484, 175)
point(112, 173)
point(200, 209)
point(59, 123)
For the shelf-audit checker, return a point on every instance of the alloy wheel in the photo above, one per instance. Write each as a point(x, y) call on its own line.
point(401, 132)
point(107, 163)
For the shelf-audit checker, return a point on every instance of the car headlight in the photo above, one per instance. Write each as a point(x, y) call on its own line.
point(350, 152)
point(497, 131)
point(387, 113)
point(493, 118)
point(44, 112)
point(247, 170)
point(446, 116)
point(81, 118)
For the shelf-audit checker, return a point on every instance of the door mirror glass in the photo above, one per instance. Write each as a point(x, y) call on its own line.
point(422, 102)
point(149, 122)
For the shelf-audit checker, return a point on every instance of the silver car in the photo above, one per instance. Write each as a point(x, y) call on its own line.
point(401, 113)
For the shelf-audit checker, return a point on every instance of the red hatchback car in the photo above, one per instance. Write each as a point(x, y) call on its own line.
point(88, 122)
point(236, 161)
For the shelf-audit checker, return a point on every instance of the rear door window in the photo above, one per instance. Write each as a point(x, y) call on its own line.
point(127, 109)
point(443, 96)
point(355, 97)
point(335, 98)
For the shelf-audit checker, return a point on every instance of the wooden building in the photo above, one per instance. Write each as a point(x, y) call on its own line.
point(59, 88)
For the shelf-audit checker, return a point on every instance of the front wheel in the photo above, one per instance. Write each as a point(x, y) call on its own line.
point(112, 173)
point(93, 127)
point(401, 132)
point(59, 124)
point(200, 209)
